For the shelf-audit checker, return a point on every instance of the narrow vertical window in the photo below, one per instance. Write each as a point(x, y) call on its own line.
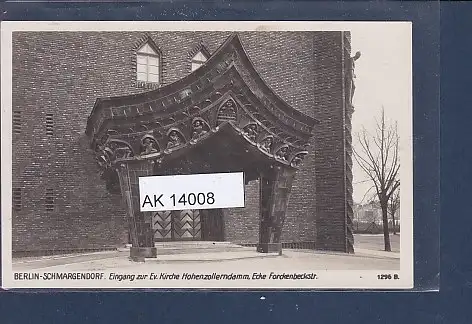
point(198, 60)
point(49, 124)
point(16, 122)
point(17, 199)
point(147, 64)
point(49, 200)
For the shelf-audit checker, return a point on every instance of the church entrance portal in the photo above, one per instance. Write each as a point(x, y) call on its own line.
point(221, 118)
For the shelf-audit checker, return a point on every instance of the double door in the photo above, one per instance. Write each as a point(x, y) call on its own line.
point(188, 225)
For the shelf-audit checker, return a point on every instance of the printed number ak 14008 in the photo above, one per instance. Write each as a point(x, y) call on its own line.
point(186, 199)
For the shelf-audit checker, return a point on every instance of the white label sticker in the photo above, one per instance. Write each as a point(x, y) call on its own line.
point(194, 191)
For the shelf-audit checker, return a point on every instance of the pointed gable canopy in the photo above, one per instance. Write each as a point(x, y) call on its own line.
point(226, 94)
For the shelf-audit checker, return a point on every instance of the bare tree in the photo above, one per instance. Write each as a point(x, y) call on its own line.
point(394, 205)
point(378, 158)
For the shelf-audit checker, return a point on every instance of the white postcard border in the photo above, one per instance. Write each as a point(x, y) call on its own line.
point(346, 279)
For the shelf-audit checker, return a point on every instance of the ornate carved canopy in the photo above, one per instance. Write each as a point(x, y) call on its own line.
point(224, 96)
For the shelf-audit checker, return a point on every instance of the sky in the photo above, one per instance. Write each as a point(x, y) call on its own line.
point(383, 78)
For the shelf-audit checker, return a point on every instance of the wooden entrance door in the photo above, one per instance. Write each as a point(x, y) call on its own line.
point(212, 225)
point(177, 225)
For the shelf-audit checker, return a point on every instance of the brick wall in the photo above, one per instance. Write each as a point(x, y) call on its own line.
point(52, 74)
point(242, 224)
point(329, 134)
point(63, 73)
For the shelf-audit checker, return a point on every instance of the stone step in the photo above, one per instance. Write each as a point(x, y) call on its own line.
point(191, 247)
point(168, 251)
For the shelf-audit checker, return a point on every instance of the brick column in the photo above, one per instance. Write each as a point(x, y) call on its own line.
point(139, 222)
point(275, 186)
point(266, 184)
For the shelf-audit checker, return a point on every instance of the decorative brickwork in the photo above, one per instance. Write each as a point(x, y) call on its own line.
point(17, 121)
point(348, 111)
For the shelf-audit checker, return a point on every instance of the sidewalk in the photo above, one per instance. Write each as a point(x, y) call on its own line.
point(368, 256)
point(247, 259)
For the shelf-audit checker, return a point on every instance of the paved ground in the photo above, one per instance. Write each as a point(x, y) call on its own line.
point(369, 256)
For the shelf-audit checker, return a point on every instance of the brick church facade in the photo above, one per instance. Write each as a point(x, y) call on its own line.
point(61, 204)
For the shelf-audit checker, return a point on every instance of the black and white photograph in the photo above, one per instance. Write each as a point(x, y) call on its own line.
point(217, 155)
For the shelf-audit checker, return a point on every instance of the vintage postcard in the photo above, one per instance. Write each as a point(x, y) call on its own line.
point(218, 155)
